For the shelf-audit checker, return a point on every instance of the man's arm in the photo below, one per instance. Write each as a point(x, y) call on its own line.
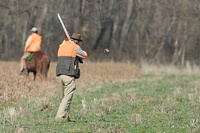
point(80, 53)
point(28, 42)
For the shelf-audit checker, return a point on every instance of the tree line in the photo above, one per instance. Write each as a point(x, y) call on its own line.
point(156, 31)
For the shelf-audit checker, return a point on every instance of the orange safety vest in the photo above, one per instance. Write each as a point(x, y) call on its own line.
point(35, 45)
point(67, 61)
point(68, 48)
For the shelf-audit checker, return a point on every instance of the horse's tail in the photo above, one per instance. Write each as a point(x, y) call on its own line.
point(45, 64)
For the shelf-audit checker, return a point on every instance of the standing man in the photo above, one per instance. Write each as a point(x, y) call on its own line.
point(33, 44)
point(67, 70)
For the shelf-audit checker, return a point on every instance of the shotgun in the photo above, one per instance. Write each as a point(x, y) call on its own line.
point(66, 33)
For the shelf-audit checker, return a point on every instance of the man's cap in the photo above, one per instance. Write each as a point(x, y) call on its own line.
point(34, 29)
point(76, 37)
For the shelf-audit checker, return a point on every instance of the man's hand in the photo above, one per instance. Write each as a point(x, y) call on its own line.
point(79, 59)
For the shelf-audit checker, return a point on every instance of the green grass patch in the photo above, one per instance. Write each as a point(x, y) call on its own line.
point(152, 103)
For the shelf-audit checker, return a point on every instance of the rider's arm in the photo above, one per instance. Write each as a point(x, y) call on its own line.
point(28, 42)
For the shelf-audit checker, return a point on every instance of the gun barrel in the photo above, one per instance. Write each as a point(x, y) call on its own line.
point(63, 26)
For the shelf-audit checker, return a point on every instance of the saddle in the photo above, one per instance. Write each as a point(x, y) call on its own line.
point(30, 57)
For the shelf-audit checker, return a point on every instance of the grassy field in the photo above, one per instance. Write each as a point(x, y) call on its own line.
point(110, 97)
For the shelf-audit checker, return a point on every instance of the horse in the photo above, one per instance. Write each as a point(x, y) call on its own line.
point(38, 65)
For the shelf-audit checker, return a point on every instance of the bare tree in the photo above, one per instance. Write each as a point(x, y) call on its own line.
point(157, 31)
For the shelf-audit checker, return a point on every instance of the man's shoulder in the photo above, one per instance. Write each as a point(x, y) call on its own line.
point(72, 43)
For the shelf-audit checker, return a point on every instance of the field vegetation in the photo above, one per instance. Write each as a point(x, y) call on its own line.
point(110, 97)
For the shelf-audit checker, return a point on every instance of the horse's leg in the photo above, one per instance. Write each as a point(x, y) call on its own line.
point(40, 72)
point(44, 73)
point(45, 68)
point(34, 75)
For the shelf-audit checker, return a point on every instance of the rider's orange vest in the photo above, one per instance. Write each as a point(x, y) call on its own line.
point(35, 45)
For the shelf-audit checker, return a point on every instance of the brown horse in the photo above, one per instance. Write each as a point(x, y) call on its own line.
point(39, 65)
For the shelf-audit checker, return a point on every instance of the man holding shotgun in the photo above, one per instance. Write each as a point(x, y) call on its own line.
point(67, 70)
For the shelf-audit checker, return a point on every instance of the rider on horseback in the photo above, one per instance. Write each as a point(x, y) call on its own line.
point(33, 44)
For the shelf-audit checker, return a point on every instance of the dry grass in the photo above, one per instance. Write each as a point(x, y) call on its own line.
point(14, 87)
point(188, 69)
point(160, 99)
